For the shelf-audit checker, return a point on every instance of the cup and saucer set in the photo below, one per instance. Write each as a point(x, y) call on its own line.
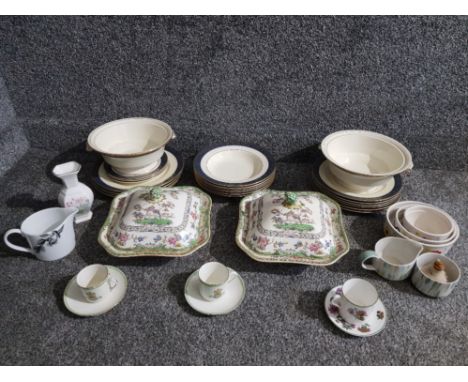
point(214, 289)
point(95, 290)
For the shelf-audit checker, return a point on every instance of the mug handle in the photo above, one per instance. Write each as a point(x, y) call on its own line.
point(365, 256)
point(13, 246)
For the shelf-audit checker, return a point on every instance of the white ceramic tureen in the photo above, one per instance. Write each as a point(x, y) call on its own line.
point(291, 227)
point(153, 221)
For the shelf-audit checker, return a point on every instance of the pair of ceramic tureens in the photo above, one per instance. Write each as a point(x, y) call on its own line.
point(274, 226)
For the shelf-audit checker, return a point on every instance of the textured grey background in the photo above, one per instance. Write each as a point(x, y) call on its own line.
point(281, 82)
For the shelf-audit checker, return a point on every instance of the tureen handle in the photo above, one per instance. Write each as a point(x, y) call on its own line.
point(155, 193)
point(290, 198)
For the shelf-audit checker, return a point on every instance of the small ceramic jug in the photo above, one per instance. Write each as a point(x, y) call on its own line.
point(393, 258)
point(50, 233)
point(74, 193)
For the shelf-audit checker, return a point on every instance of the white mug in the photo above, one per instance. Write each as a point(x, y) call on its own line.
point(49, 233)
point(214, 277)
point(95, 282)
point(357, 301)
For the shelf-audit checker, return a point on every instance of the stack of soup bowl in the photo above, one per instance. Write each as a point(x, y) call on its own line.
point(234, 170)
point(135, 154)
point(428, 225)
point(361, 170)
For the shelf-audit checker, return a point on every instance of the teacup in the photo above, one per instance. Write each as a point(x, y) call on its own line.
point(357, 301)
point(49, 233)
point(393, 258)
point(426, 284)
point(95, 282)
point(214, 278)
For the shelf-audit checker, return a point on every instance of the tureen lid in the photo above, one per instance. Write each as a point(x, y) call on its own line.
point(292, 227)
point(154, 221)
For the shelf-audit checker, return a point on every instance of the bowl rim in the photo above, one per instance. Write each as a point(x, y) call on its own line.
point(421, 257)
point(158, 122)
point(413, 202)
point(412, 209)
point(413, 237)
point(407, 158)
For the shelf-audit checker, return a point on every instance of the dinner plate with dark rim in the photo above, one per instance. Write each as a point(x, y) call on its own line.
point(316, 178)
point(254, 154)
point(234, 188)
point(235, 191)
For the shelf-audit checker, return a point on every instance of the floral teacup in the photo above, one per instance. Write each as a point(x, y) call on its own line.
point(357, 302)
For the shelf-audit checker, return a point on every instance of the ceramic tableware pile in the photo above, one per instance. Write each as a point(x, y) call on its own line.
point(234, 171)
point(422, 223)
point(361, 170)
point(135, 154)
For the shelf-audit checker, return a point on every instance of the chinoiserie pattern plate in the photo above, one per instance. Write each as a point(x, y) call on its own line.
point(285, 227)
point(155, 221)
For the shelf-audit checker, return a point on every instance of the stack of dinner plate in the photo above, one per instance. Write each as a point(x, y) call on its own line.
point(234, 170)
point(361, 170)
point(166, 174)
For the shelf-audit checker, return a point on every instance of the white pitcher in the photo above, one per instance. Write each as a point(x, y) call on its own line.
point(50, 233)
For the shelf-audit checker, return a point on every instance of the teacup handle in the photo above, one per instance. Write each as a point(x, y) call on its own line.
point(112, 283)
point(13, 246)
point(365, 257)
point(232, 276)
point(335, 301)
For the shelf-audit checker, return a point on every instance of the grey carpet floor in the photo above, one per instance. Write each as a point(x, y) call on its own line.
point(281, 321)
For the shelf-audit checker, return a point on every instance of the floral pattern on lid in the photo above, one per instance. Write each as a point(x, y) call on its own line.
point(304, 228)
point(149, 221)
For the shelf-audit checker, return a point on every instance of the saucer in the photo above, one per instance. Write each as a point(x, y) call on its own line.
point(364, 330)
point(233, 297)
point(328, 178)
point(76, 303)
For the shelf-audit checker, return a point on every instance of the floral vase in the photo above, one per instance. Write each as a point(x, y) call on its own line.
point(74, 193)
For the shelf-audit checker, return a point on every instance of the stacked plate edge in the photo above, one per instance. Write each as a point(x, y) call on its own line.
point(166, 177)
point(353, 202)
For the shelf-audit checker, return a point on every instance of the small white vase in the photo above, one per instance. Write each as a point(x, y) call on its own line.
point(74, 193)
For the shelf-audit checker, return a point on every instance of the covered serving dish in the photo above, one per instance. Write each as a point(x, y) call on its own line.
point(291, 227)
point(154, 221)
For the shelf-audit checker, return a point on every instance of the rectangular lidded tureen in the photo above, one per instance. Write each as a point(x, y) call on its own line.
point(291, 227)
point(153, 221)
